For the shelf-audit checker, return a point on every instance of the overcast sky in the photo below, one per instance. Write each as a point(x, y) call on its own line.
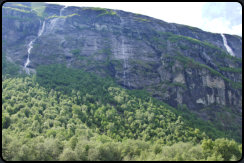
point(217, 17)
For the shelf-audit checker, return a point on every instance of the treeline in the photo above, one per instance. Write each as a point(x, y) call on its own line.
point(87, 146)
point(68, 114)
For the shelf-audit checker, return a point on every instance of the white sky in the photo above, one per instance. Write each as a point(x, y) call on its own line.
point(218, 17)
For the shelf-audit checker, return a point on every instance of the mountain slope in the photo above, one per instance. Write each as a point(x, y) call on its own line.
point(177, 64)
point(70, 120)
point(126, 68)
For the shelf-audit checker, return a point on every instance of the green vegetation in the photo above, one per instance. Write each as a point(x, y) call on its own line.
point(20, 5)
point(79, 57)
point(208, 127)
point(176, 38)
point(142, 64)
point(188, 62)
point(235, 85)
point(103, 10)
point(159, 42)
point(38, 8)
point(141, 19)
point(69, 114)
point(192, 28)
point(75, 51)
point(63, 17)
point(68, 16)
point(230, 69)
point(53, 16)
point(175, 84)
point(110, 12)
point(95, 9)
point(17, 9)
point(61, 113)
point(181, 41)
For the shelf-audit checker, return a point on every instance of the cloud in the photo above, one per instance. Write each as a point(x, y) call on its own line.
point(237, 29)
point(231, 11)
point(221, 25)
point(222, 17)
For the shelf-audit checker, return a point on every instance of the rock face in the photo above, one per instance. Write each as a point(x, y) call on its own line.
point(177, 64)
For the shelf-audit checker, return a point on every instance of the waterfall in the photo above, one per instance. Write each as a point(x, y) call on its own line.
point(42, 29)
point(124, 55)
point(124, 65)
point(40, 32)
point(227, 46)
point(30, 46)
point(61, 11)
point(54, 21)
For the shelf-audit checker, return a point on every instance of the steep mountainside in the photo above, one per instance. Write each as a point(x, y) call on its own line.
point(180, 65)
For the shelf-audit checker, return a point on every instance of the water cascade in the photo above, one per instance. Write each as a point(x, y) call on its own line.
point(123, 47)
point(40, 32)
point(124, 65)
point(42, 29)
point(30, 46)
point(54, 21)
point(227, 46)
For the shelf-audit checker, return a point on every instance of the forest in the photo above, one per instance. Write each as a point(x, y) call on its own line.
point(62, 113)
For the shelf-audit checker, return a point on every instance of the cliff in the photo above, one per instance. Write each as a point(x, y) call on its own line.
point(178, 64)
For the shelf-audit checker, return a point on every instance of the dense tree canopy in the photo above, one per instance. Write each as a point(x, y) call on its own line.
point(68, 114)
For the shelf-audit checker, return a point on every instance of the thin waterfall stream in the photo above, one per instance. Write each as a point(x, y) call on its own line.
point(30, 46)
point(40, 32)
point(54, 21)
point(124, 55)
point(226, 45)
point(124, 65)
